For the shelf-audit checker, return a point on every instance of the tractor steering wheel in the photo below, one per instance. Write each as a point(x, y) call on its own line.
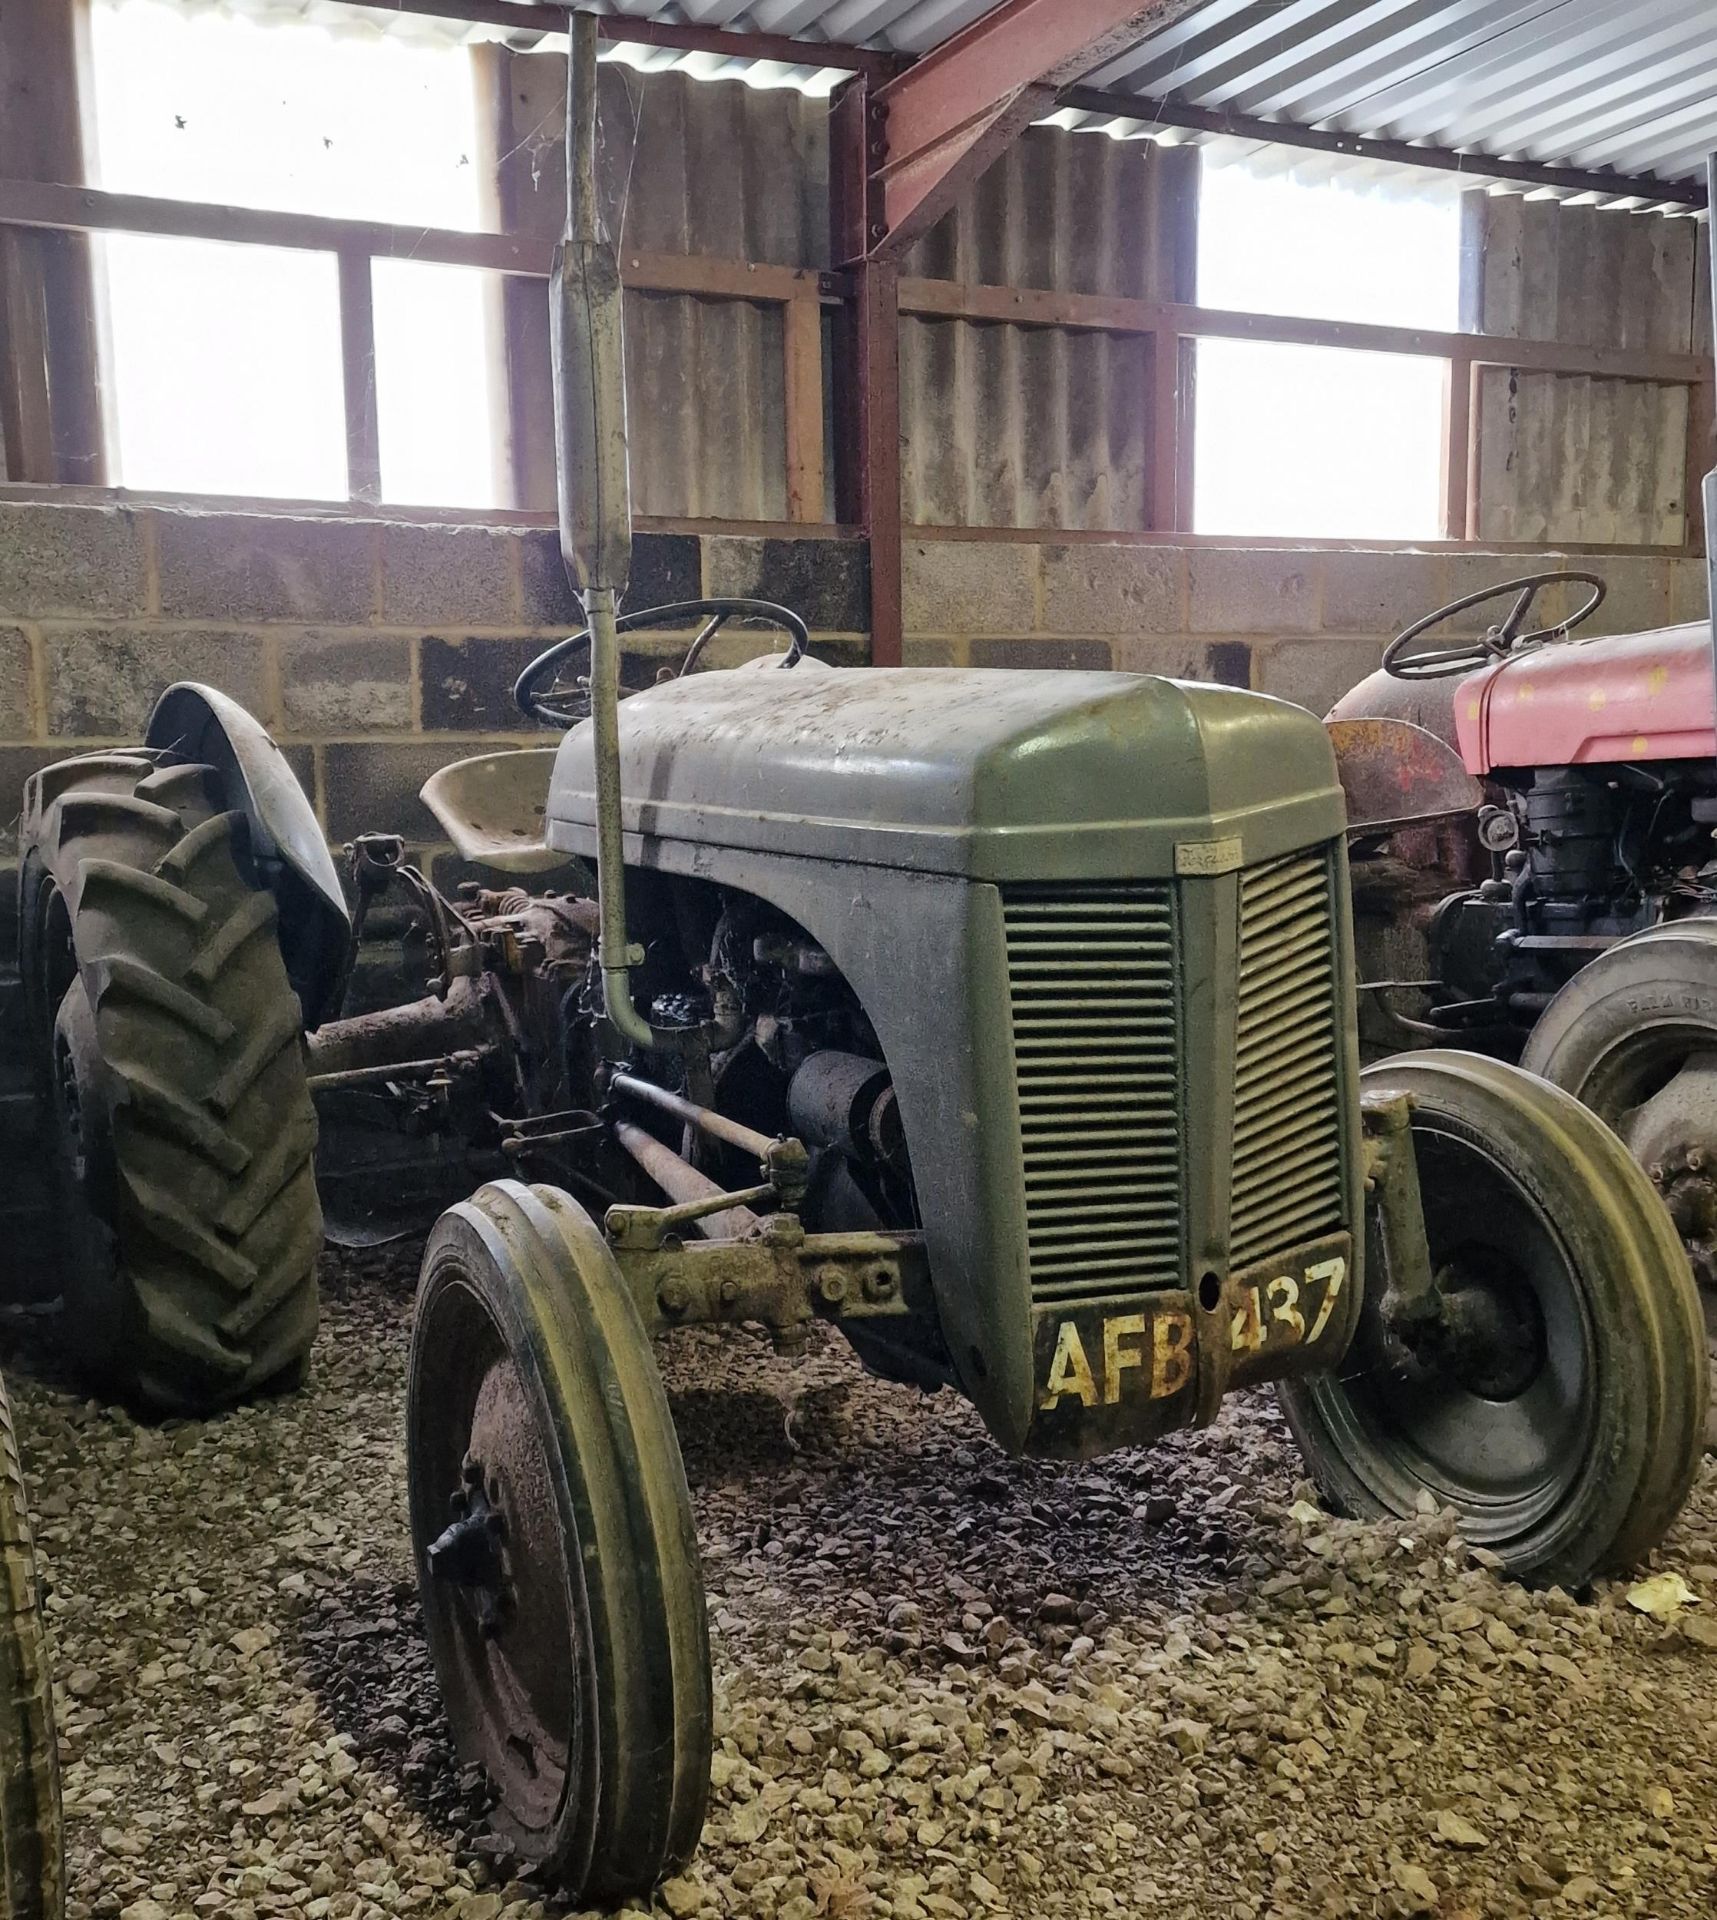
point(544, 696)
point(1437, 663)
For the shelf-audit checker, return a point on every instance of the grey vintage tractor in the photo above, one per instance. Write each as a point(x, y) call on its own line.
point(1002, 1021)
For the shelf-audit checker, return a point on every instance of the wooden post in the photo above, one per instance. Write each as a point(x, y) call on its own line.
point(802, 346)
point(1165, 431)
point(50, 409)
point(1459, 403)
point(1701, 454)
point(358, 366)
point(878, 331)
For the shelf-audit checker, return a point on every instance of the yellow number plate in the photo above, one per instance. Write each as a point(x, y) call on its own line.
point(1284, 1304)
point(1132, 1352)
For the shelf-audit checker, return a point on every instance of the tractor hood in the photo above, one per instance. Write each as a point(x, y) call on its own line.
point(990, 775)
point(1571, 703)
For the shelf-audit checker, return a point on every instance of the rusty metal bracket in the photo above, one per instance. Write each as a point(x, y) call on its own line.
point(1392, 1192)
point(651, 1229)
point(780, 1278)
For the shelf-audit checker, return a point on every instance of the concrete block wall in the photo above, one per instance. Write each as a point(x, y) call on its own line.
point(1302, 623)
point(379, 651)
point(375, 652)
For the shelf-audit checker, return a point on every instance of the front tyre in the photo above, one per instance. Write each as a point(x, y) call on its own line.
point(556, 1555)
point(1559, 1405)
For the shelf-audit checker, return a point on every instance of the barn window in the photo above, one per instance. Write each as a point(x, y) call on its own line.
point(1312, 441)
point(224, 361)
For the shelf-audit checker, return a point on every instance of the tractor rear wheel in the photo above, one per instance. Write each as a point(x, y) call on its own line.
point(176, 1103)
point(32, 1861)
point(556, 1554)
point(1559, 1404)
point(1633, 1036)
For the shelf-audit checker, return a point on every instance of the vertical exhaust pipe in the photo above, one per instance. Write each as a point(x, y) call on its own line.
point(587, 339)
point(1709, 490)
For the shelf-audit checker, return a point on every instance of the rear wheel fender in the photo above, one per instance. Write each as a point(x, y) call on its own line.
point(197, 723)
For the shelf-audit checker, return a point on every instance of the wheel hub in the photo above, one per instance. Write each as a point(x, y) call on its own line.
point(496, 1591)
point(1688, 1183)
point(469, 1553)
point(1674, 1136)
point(1484, 1332)
point(1480, 1390)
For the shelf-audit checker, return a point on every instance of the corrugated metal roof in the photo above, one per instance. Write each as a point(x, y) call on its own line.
point(1579, 83)
point(1588, 84)
point(1595, 85)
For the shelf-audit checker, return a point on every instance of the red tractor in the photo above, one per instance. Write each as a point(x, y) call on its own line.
point(1534, 827)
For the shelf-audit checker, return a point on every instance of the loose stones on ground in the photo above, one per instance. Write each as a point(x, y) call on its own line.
point(949, 1686)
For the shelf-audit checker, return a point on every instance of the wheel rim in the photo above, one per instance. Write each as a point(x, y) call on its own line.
point(1657, 1089)
point(1493, 1413)
point(83, 1150)
point(503, 1601)
point(54, 962)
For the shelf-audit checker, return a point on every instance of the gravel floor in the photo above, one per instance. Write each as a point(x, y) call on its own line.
point(947, 1684)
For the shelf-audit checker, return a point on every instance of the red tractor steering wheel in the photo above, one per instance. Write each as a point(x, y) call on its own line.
point(1437, 663)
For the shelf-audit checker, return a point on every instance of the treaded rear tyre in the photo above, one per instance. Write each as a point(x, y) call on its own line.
point(1630, 1017)
point(32, 1866)
point(168, 1046)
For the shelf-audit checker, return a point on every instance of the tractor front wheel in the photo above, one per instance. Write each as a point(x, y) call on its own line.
point(556, 1555)
point(1556, 1399)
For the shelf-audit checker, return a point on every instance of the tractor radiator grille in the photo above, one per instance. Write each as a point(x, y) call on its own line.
point(1093, 986)
point(1287, 1177)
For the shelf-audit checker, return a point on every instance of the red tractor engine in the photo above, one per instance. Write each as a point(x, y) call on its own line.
point(1598, 763)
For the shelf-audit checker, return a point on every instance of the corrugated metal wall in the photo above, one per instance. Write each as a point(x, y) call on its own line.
point(1567, 457)
point(1008, 425)
point(724, 170)
point(1044, 427)
point(1040, 426)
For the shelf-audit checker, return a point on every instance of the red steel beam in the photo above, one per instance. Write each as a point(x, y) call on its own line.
point(937, 126)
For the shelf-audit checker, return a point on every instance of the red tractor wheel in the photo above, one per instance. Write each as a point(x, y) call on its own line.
point(1633, 1036)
